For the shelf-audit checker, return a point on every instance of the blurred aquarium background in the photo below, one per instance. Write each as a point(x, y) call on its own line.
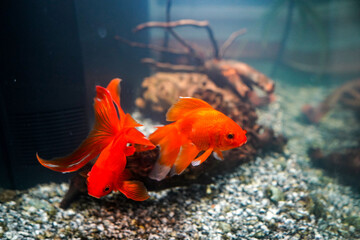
point(55, 52)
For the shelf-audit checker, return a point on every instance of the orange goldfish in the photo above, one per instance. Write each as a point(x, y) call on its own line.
point(112, 136)
point(197, 127)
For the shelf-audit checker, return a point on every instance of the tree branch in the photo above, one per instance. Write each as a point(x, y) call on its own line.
point(150, 46)
point(231, 40)
point(171, 67)
point(183, 23)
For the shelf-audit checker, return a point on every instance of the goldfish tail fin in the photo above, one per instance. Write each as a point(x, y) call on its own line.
point(169, 140)
point(187, 153)
point(183, 106)
point(105, 127)
point(159, 171)
point(202, 157)
point(87, 151)
point(134, 190)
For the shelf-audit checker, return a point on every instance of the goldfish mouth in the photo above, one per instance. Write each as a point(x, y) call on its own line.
point(241, 144)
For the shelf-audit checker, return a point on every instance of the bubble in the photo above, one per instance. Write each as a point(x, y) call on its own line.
point(102, 32)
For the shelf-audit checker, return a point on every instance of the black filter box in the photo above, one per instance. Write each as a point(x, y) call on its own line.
point(44, 106)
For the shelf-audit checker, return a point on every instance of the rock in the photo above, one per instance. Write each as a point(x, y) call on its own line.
point(274, 194)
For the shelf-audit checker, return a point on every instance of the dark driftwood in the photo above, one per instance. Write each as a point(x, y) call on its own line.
point(348, 96)
point(343, 163)
point(345, 166)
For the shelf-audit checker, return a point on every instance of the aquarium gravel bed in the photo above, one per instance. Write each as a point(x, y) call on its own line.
point(277, 196)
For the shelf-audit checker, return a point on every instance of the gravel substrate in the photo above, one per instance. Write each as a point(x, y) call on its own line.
point(278, 196)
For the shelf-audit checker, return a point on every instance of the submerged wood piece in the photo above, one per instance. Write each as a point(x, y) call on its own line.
point(77, 187)
point(348, 96)
point(345, 164)
point(239, 76)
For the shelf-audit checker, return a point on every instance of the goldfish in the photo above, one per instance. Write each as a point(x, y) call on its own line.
point(196, 127)
point(113, 138)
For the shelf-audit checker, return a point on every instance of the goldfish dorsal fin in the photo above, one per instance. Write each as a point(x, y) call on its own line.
point(114, 89)
point(183, 106)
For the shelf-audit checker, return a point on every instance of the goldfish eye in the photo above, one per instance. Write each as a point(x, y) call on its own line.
point(230, 136)
point(107, 188)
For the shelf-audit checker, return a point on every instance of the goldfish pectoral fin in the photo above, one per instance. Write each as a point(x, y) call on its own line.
point(187, 154)
point(134, 190)
point(202, 158)
point(218, 155)
point(183, 106)
point(159, 171)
